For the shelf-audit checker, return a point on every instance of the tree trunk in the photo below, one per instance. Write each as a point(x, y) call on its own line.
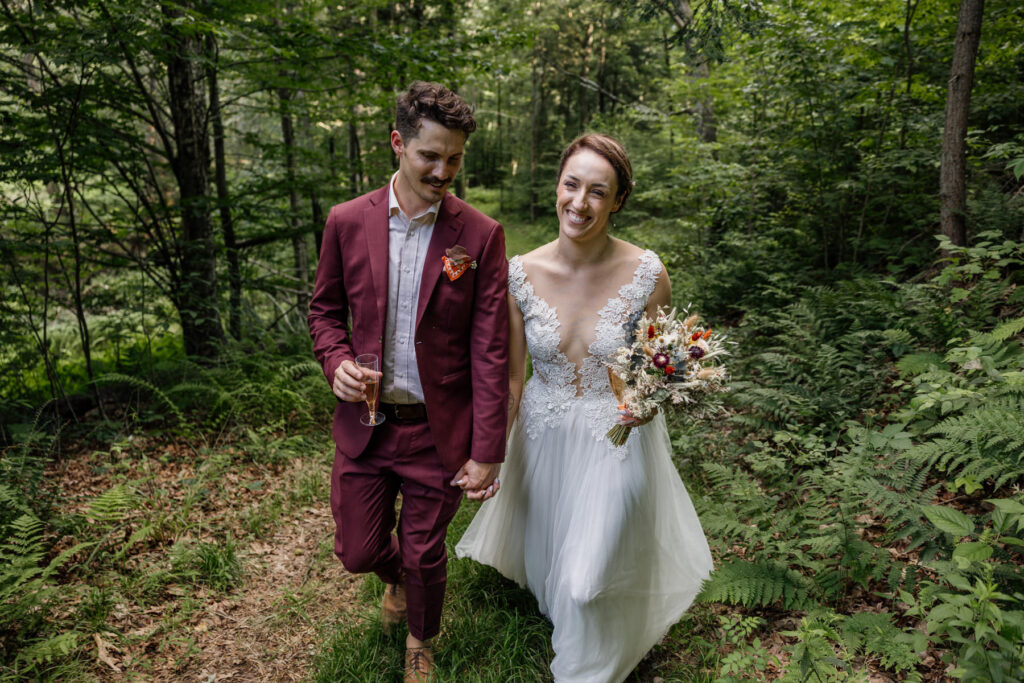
point(586, 53)
point(707, 125)
point(227, 225)
point(298, 239)
point(908, 56)
point(953, 174)
point(501, 157)
point(355, 159)
point(534, 115)
point(196, 295)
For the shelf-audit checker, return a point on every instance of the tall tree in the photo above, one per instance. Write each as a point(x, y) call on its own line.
point(196, 295)
point(953, 174)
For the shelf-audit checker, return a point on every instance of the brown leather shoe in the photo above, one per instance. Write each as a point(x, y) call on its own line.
point(419, 662)
point(392, 610)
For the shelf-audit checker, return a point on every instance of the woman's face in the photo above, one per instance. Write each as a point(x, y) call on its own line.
point(586, 195)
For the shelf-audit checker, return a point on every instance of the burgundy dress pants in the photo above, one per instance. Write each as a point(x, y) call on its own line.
point(399, 458)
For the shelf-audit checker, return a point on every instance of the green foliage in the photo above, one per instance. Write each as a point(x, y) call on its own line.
point(29, 594)
point(215, 564)
point(748, 660)
point(976, 603)
point(875, 636)
point(757, 584)
point(144, 385)
point(858, 404)
point(972, 408)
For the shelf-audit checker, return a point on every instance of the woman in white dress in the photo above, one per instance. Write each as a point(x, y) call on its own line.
point(605, 537)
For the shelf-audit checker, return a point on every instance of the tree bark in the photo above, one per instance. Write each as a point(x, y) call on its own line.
point(298, 238)
point(586, 53)
point(953, 174)
point(196, 296)
point(227, 225)
point(355, 159)
point(501, 157)
point(534, 116)
point(681, 12)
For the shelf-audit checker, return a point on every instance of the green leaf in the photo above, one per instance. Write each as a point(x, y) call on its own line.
point(958, 294)
point(949, 520)
point(1008, 505)
point(974, 551)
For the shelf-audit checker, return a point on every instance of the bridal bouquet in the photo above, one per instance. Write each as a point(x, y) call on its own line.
point(665, 359)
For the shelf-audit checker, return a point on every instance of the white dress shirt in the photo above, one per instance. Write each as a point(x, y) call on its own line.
point(408, 239)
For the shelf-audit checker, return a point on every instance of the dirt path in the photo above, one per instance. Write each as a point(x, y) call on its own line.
point(293, 590)
point(271, 630)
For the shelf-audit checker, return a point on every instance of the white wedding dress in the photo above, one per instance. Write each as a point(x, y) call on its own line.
point(605, 537)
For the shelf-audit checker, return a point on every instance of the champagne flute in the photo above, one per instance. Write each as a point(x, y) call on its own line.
point(369, 361)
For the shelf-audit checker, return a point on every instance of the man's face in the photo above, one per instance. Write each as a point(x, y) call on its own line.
point(427, 164)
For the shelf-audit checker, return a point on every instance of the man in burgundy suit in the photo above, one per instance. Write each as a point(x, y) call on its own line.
point(418, 277)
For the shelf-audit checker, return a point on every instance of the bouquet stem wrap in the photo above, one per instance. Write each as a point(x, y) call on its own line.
point(619, 433)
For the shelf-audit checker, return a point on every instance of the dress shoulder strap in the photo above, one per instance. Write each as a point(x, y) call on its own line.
point(645, 278)
point(518, 287)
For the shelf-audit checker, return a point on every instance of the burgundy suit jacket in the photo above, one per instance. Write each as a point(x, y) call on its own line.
point(461, 326)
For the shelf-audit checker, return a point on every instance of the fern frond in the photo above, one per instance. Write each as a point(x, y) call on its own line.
point(139, 383)
point(757, 584)
point(113, 505)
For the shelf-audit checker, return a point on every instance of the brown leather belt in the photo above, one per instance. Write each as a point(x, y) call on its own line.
point(404, 413)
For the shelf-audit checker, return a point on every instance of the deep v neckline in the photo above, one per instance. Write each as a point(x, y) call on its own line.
point(607, 309)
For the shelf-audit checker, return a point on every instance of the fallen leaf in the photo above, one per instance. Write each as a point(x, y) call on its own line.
point(101, 653)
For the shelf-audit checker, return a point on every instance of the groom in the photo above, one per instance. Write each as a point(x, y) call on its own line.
point(418, 277)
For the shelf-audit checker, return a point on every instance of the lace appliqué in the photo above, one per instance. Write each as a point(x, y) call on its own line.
point(547, 396)
point(602, 409)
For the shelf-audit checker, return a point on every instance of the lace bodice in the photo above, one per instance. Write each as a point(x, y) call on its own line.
point(548, 394)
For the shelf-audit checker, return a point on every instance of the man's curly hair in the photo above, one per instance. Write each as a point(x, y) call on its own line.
point(423, 100)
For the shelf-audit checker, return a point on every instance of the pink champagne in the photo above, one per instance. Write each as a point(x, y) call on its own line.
point(371, 387)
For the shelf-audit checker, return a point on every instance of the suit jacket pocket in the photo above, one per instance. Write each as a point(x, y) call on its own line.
point(457, 377)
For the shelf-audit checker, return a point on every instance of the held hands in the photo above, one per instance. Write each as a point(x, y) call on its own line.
point(350, 381)
point(479, 480)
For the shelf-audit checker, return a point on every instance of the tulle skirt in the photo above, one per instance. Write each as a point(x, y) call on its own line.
point(611, 546)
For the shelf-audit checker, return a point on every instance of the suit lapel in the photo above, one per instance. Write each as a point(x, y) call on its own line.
point(447, 229)
point(375, 228)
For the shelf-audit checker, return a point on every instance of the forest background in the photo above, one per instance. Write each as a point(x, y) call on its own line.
point(837, 185)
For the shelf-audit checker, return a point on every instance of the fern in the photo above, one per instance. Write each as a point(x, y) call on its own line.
point(29, 593)
point(139, 383)
point(757, 584)
point(985, 443)
point(875, 635)
point(45, 651)
point(113, 505)
point(302, 368)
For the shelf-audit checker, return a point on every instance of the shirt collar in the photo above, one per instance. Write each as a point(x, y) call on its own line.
point(429, 215)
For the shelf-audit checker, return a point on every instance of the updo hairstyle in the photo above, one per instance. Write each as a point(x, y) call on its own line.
point(613, 152)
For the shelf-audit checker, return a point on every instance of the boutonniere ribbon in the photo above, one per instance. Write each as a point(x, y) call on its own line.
point(456, 261)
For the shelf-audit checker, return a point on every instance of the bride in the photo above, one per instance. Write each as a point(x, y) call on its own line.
point(605, 537)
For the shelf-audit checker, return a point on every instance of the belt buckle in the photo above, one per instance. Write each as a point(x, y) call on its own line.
point(402, 413)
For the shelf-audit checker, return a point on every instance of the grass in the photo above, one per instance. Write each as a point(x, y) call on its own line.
point(491, 633)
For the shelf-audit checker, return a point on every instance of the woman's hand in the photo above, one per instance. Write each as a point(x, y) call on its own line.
point(626, 418)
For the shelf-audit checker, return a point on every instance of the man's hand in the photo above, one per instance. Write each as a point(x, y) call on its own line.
point(478, 479)
point(350, 381)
